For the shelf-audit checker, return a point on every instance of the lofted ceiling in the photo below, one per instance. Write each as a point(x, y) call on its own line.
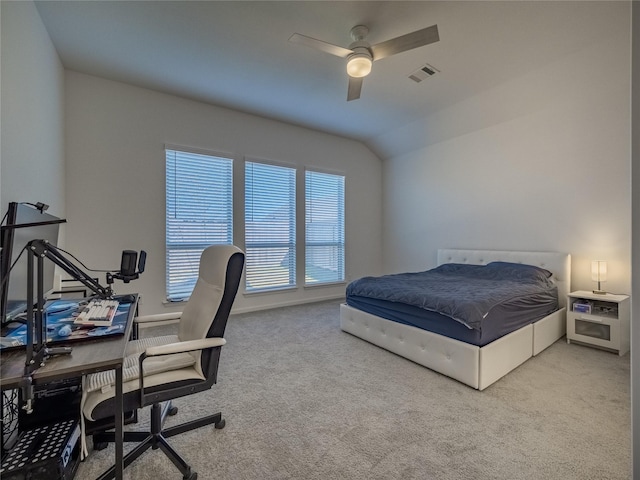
point(236, 54)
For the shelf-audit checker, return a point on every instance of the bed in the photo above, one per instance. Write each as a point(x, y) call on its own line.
point(477, 362)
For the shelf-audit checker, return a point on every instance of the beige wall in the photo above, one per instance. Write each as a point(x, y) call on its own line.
point(32, 114)
point(93, 150)
point(635, 280)
point(116, 172)
point(539, 163)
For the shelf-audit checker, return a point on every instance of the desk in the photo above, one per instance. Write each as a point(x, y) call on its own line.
point(99, 354)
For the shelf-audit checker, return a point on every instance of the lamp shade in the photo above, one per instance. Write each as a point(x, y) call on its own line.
point(359, 65)
point(599, 271)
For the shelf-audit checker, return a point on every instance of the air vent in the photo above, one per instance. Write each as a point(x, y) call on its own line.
point(423, 72)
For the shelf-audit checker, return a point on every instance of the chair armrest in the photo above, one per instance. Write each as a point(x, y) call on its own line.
point(188, 346)
point(158, 317)
point(171, 348)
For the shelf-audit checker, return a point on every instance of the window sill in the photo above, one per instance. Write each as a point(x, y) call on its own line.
point(268, 291)
point(170, 303)
point(325, 285)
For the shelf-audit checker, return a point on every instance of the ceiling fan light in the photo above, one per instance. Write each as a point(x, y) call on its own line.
point(359, 65)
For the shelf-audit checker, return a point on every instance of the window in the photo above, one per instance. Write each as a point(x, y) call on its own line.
point(270, 226)
point(199, 214)
point(324, 228)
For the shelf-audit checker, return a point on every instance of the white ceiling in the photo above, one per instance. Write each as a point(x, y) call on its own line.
point(237, 54)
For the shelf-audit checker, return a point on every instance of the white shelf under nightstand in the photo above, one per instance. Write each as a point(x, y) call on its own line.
point(605, 326)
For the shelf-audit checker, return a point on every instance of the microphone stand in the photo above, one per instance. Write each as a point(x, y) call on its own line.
point(37, 349)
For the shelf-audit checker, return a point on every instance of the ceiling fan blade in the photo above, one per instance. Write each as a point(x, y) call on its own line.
point(355, 85)
point(406, 42)
point(320, 45)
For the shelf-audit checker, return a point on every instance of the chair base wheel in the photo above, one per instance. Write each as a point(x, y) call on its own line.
point(220, 425)
point(172, 411)
point(192, 476)
point(100, 446)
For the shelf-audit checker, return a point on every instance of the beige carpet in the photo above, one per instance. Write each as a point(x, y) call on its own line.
point(304, 400)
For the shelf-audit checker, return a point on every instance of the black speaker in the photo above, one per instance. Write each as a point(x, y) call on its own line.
point(142, 261)
point(128, 262)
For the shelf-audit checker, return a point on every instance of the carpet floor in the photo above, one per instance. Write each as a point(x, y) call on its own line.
point(304, 400)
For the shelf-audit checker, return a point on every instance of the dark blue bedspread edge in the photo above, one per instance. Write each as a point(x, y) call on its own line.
point(501, 321)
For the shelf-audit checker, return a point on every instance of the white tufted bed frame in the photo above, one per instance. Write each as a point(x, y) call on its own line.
point(475, 366)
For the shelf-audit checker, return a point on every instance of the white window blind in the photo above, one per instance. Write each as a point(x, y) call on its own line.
point(270, 226)
point(324, 228)
point(199, 213)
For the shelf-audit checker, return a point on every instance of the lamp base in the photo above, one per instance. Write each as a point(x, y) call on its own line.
point(599, 292)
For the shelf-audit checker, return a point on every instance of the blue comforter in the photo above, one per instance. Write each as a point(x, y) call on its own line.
point(466, 293)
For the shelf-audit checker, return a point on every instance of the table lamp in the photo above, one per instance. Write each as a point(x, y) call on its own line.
point(599, 274)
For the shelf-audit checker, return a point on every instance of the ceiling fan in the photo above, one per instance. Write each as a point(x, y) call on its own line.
point(360, 54)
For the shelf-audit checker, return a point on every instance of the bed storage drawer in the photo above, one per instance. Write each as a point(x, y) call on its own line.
point(447, 356)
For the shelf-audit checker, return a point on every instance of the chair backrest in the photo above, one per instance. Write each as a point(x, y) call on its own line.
point(207, 310)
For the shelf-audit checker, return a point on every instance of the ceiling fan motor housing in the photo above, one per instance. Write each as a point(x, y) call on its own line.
point(359, 62)
point(359, 32)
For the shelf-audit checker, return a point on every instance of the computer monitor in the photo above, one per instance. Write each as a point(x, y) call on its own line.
point(24, 223)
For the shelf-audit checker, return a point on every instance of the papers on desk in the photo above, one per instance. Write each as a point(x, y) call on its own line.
point(9, 342)
point(102, 331)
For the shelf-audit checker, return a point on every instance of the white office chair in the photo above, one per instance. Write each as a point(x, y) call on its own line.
point(173, 365)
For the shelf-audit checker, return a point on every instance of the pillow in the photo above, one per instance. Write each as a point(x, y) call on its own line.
point(461, 268)
point(519, 271)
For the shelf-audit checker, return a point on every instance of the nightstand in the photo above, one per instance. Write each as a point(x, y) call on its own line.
point(600, 320)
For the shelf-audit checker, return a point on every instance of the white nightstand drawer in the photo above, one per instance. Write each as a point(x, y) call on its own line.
point(594, 330)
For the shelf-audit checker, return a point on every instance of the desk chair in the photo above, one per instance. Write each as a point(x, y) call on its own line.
point(174, 365)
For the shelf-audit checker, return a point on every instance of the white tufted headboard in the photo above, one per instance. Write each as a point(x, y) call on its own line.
point(559, 264)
